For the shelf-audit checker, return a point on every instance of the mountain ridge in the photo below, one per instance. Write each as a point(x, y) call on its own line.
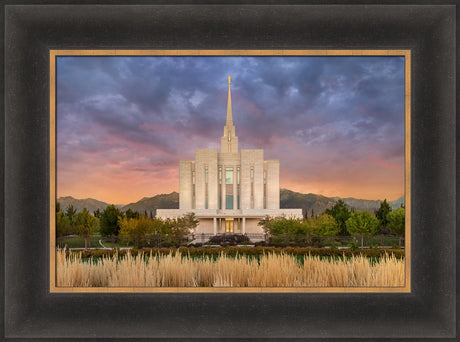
point(288, 199)
point(90, 204)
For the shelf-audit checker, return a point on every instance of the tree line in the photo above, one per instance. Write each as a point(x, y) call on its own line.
point(128, 227)
point(336, 222)
point(140, 230)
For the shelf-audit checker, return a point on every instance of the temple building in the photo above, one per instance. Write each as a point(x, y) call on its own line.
point(229, 191)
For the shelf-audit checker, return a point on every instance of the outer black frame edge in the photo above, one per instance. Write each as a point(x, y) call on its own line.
point(31, 313)
point(2, 171)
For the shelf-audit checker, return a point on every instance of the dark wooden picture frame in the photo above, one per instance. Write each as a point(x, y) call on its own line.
point(32, 312)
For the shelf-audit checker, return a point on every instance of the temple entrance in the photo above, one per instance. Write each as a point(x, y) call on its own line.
point(229, 227)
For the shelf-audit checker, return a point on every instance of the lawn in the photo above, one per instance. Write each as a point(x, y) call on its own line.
point(75, 241)
point(377, 240)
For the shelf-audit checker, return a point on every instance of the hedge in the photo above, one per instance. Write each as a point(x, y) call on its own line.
point(251, 251)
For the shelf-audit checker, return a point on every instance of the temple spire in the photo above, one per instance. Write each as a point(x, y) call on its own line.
point(229, 141)
point(229, 105)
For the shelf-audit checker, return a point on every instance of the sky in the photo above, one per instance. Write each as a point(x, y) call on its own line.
point(336, 124)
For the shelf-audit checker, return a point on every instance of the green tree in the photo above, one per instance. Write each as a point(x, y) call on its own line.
point(97, 213)
point(284, 230)
point(264, 223)
point(139, 231)
point(382, 213)
point(145, 231)
point(397, 223)
point(325, 225)
point(109, 222)
point(362, 223)
point(190, 222)
point(181, 227)
point(131, 214)
point(341, 214)
point(127, 232)
point(86, 225)
point(70, 212)
point(62, 224)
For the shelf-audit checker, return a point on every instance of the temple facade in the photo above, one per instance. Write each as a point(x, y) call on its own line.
point(229, 191)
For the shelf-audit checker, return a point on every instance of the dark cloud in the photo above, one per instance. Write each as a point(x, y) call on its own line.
point(156, 109)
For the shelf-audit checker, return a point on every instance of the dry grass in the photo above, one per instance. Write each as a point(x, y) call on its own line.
point(271, 270)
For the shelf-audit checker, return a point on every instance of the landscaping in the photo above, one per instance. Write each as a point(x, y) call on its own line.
point(336, 248)
point(233, 251)
point(268, 270)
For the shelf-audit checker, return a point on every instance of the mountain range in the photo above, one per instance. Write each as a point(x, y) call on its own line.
point(288, 199)
point(89, 203)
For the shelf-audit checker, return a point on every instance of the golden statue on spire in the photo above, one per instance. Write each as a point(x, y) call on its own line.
point(229, 79)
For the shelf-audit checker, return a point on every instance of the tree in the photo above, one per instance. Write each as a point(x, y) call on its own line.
point(190, 222)
point(71, 212)
point(284, 230)
point(325, 225)
point(264, 223)
point(131, 214)
point(62, 224)
point(86, 225)
point(127, 231)
point(397, 223)
point(109, 221)
point(341, 214)
point(382, 213)
point(144, 231)
point(97, 213)
point(362, 223)
point(139, 231)
point(181, 227)
point(62, 221)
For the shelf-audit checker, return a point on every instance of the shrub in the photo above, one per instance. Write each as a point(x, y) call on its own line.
point(250, 251)
point(229, 240)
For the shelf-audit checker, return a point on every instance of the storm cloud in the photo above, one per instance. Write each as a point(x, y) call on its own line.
point(335, 123)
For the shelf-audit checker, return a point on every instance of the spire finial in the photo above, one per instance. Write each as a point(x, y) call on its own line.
point(229, 105)
point(229, 141)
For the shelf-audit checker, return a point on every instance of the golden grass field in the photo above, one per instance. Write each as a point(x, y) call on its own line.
point(271, 270)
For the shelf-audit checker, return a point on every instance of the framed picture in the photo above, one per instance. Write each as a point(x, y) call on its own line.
point(37, 36)
point(337, 97)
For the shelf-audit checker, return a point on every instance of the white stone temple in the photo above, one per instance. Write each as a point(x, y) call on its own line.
point(230, 191)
